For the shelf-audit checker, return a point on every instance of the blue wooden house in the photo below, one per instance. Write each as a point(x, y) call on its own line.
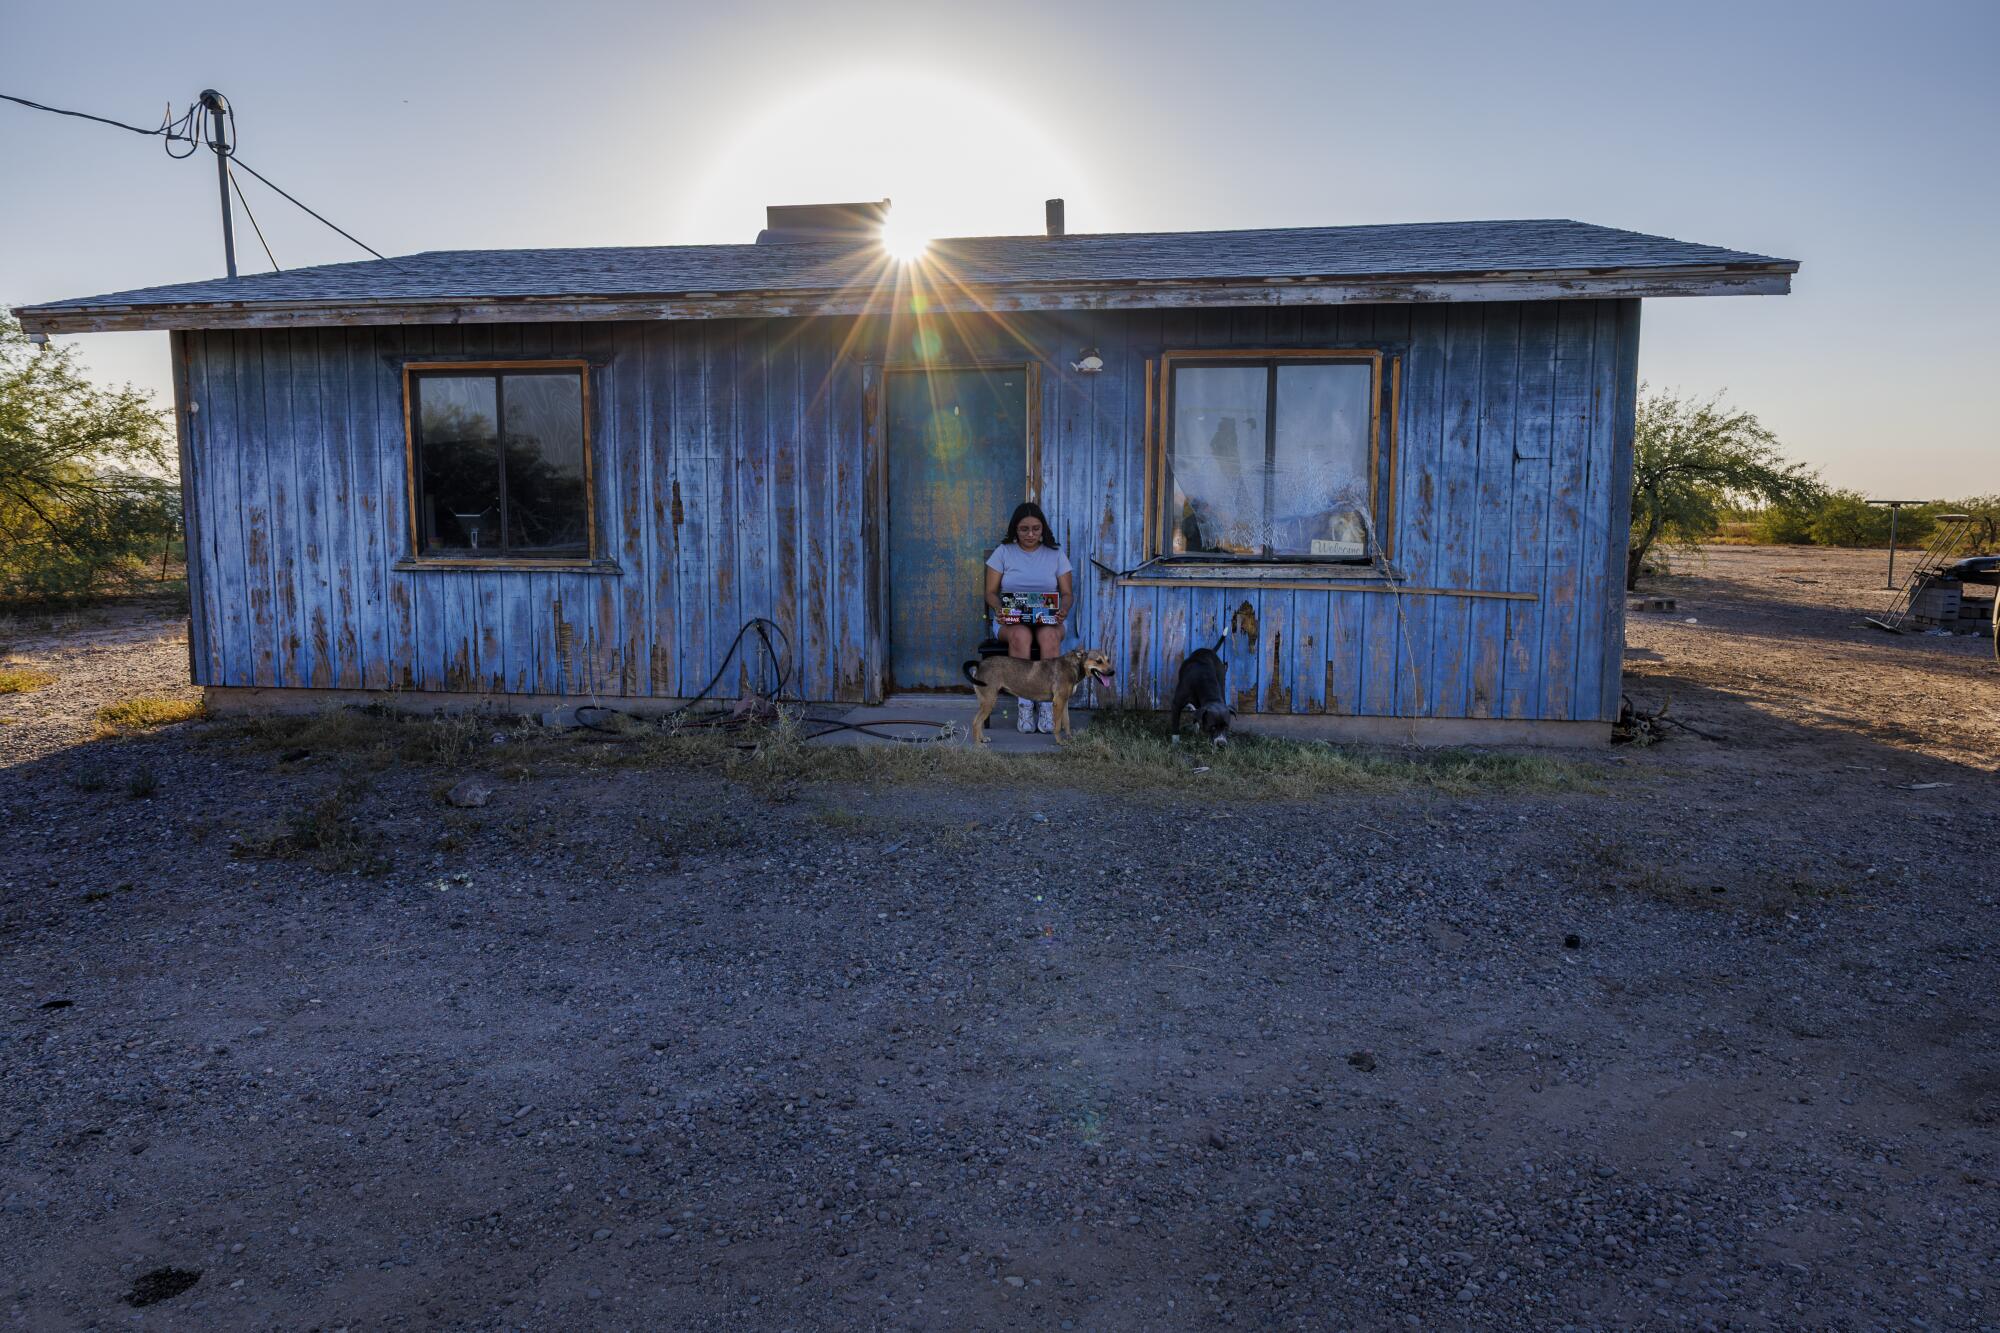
point(1391, 462)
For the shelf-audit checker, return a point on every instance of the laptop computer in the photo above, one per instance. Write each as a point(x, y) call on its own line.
point(1028, 608)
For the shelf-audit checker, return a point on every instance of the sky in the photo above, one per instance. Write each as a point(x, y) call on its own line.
point(1855, 138)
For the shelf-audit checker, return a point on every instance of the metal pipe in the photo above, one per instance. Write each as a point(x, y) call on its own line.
point(1893, 511)
point(217, 107)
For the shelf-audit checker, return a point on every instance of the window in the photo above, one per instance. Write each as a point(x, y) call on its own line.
point(1271, 457)
point(501, 457)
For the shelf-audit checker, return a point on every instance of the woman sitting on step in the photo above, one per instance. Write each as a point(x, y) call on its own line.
point(1027, 561)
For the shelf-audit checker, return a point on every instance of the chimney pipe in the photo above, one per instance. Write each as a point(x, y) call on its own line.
point(1053, 209)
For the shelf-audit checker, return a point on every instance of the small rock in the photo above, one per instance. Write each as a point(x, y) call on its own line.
point(1016, 1282)
point(469, 794)
point(1363, 1061)
point(1572, 941)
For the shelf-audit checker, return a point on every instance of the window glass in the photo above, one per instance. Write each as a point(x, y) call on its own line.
point(1219, 471)
point(545, 480)
point(1320, 491)
point(478, 498)
point(459, 444)
point(1271, 458)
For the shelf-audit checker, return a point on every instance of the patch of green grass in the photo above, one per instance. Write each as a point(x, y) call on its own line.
point(1116, 752)
point(144, 712)
point(21, 679)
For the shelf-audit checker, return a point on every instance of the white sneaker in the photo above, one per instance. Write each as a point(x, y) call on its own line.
point(1024, 718)
point(1045, 718)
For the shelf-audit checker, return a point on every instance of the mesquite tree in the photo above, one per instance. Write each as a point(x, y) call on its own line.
point(86, 473)
point(1694, 458)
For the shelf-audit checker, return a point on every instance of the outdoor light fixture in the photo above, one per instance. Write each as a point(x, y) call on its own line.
point(1090, 364)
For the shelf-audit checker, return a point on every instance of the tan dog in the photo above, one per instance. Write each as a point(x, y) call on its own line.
point(1054, 681)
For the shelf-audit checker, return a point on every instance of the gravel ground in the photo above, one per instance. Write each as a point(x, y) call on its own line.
point(1706, 1045)
point(130, 647)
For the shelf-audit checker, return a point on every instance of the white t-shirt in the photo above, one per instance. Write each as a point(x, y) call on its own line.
point(1027, 571)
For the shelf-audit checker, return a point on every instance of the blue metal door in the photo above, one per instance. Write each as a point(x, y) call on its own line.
point(957, 466)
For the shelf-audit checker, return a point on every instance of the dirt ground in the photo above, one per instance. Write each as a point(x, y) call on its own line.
point(1699, 1035)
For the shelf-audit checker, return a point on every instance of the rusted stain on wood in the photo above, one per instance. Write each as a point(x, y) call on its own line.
point(322, 668)
point(1277, 693)
point(565, 645)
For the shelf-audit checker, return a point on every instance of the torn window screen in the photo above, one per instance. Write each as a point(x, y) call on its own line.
point(1271, 459)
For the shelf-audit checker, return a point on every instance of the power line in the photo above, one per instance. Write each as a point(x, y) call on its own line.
point(236, 186)
point(183, 130)
point(175, 130)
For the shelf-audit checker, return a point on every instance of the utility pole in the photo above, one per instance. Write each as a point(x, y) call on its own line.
point(1895, 507)
point(217, 106)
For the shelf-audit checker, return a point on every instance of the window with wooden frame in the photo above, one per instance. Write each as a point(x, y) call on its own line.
point(499, 458)
point(1271, 456)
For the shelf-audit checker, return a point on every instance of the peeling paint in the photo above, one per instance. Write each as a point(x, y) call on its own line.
point(1244, 622)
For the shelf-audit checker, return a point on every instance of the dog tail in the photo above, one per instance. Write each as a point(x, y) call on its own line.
point(1219, 642)
point(971, 673)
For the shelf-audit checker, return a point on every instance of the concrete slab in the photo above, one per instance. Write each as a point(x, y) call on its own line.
point(920, 715)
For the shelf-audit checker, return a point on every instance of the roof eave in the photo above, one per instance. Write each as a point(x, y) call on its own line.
point(1767, 279)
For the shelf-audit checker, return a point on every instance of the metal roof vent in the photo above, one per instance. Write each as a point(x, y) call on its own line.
point(851, 224)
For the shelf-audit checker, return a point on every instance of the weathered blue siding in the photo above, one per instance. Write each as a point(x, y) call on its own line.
point(735, 464)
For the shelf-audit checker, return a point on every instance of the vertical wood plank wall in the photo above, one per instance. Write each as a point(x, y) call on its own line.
point(732, 470)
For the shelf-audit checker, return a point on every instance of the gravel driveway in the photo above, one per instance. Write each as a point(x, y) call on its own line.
point(1706, 1044)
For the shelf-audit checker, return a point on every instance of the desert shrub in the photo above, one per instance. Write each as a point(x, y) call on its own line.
point(1783, 525)
point(1845, 518)
point(1693, 462)
point(87, 489)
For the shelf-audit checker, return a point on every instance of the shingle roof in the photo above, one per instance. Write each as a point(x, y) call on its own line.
point(993, 265)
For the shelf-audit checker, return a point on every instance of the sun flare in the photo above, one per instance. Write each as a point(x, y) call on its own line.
point(905, 244)
point(957, 159)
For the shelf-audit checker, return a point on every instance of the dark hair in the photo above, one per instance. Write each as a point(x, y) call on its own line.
point(1029, 509)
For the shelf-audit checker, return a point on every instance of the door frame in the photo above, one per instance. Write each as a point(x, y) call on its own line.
point(875, 462)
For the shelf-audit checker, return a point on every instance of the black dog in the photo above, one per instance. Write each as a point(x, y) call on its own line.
point(1200, 688)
